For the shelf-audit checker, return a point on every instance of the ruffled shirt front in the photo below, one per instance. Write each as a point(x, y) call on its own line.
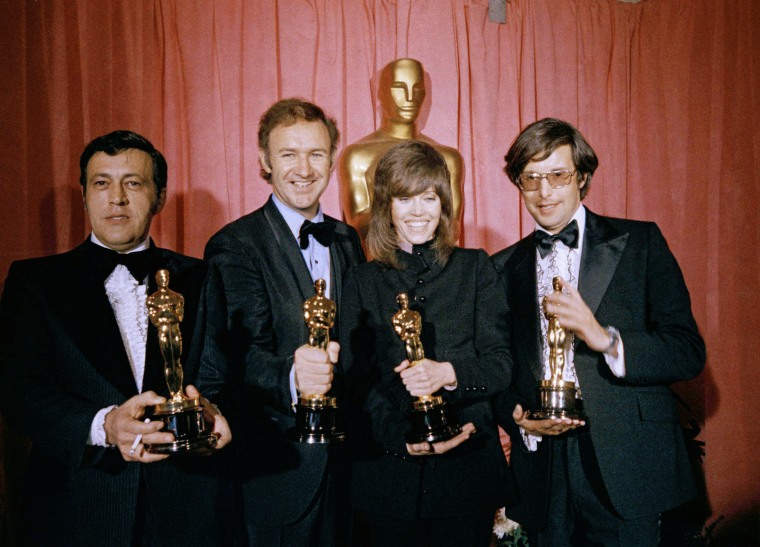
point(127, 298)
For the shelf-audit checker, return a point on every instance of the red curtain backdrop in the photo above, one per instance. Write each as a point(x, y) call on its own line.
point(667, 92)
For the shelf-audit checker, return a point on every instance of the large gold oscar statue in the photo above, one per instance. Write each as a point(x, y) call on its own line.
point(317, 418)
point(556, 397)
point(432, 420)
point(401, 92)
point(181, 415)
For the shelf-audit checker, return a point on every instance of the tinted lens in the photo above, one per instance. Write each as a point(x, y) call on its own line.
point(530, 182)
point(558, 178)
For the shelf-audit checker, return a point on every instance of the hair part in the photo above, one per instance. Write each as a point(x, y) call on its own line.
point(115, 143)
point(540, 139)
point(288, 112)
point(408, 169)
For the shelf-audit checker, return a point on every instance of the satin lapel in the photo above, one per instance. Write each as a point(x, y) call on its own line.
point(523, 305)
point(87, 316)
point(153, 376)
point(289, 248)
point(603, 247)
point(340, 250)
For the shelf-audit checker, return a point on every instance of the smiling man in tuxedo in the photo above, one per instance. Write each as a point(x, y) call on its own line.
point(262, 267)
point(80, 364)
point(630, 334)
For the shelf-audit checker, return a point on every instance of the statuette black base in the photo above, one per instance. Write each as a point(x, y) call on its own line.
point(317, 421)
point(432, 421)
point(557, 401)
point(185, 421)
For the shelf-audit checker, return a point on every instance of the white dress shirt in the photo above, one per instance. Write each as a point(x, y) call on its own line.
point(127, 297)
point(317, 259)
point(565, 262)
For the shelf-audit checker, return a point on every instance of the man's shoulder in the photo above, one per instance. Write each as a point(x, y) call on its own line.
point(621, 224)
point(244, 224)
point(46, 266)
point(606, 228)
point(167, 255)
point(347, 239)
point(246, 230)
point(503, 258)
point(342, 228)
point(179, 262)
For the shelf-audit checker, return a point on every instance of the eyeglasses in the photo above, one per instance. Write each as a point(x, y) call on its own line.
point(559, 178)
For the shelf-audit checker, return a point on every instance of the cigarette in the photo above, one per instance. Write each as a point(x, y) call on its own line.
point(138, 439)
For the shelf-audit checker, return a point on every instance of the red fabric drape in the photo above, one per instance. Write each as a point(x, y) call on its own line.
point(667, 92)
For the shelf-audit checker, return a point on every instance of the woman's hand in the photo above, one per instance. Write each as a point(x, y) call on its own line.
point(431, 449)
point(426, 376)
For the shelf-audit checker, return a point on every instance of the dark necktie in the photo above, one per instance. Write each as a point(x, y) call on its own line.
point(324, 232)
point(139, 263)
point(545, 241)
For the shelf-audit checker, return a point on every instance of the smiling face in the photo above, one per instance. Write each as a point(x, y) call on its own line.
point(299, 162)
point(415, 218)
point(120, 198)
point(553, 208)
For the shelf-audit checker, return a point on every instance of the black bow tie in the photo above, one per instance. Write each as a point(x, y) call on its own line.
point(568, 236)
point(139, 263)
point(324, 232)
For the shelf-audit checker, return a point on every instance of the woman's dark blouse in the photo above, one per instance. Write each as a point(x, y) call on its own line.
point(464, 321)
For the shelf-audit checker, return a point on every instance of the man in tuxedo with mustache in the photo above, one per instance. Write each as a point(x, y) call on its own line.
point(80, 364)
point(630, 333)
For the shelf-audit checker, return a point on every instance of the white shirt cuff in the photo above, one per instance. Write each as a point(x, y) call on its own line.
point(293, 390)
point(617, 364)
point(530, 441)
point(98, 428)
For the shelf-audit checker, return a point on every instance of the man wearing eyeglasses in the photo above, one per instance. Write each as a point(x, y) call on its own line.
point(630, 333)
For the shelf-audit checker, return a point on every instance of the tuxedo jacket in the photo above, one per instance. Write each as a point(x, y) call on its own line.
point(630, 280)
point(253, 299)
point(63, 360)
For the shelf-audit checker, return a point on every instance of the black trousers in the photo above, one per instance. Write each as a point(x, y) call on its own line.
point(579, 510)
point(327, 522)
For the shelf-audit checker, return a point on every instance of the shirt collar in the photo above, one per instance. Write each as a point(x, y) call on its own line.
point(294, 219)
point(143, 246)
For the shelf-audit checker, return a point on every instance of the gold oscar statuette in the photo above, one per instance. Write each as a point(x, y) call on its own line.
point(317, 417)
point(181, 415)
point(432, 420)
point(556, 397)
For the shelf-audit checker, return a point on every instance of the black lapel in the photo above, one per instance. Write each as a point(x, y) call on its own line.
point(340, 258)
point(289, 248)
point(603, 247)
point(524, 306)
point(87, 316)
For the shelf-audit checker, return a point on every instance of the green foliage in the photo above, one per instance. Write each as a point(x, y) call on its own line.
point(518, 538)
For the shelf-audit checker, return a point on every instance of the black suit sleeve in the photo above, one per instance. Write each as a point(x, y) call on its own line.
point(489, 371)
point(668, 348)
point(239, 342)
point(36, 400)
